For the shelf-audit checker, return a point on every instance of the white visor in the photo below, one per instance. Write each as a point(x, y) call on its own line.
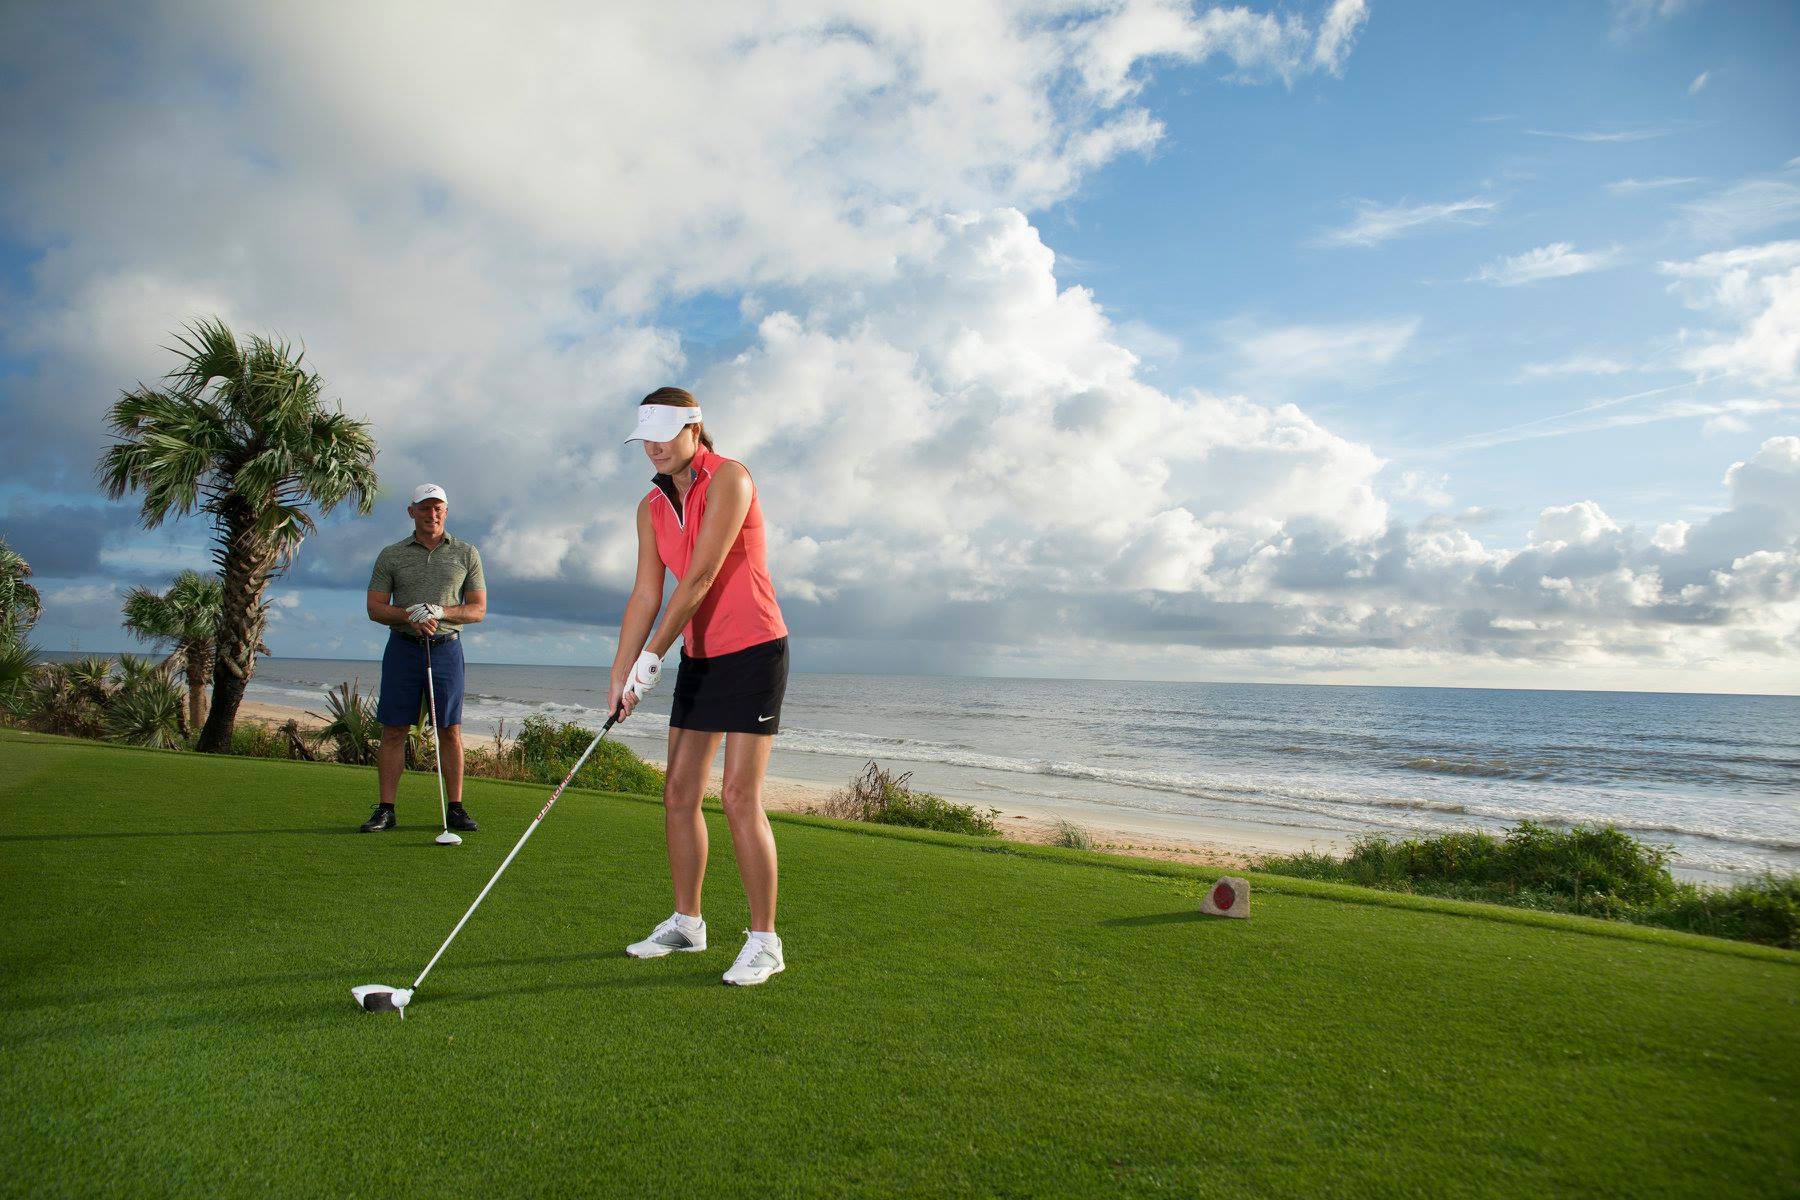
point(661, 422)
point(429, 491)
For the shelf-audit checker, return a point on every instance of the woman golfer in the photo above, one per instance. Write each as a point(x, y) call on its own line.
point(701, 522)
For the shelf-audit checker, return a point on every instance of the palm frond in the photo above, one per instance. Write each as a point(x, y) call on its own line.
point(340, 461)
point(197, 598)
point(134, 671)
point(353, 725)
point(20, 603)
point(287, 525)
point(259, 480)
point(91, 676)
point(50, 701)
point(210, 351)
point(278, 392)
point(145, 713)
point(18, 663)
point(169, 444)
point(150, 617)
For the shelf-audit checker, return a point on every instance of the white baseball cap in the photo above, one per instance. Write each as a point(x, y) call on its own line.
point(429, 491)
point(661, 422)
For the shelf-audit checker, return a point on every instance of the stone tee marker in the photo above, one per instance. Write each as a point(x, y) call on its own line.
point(1229, 897)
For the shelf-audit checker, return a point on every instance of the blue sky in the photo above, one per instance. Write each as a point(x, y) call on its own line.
point(1215, 228)
point(1378, 343)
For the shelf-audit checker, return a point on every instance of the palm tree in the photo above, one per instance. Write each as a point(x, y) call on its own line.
point(19, 609)
point(19, 601)
point(241, 434)
point(185, 621)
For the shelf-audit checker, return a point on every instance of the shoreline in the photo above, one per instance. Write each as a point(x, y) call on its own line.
point(1230, 843)
point(1162, 836)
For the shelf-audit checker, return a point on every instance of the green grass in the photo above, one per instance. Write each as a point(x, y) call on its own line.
point(180, 934)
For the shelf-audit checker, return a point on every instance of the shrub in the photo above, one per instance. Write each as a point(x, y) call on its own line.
point(69, 698)
point(123, 700)
point(18, 664)
point(496, 762)
point(91, 676)
point(1308, 864)
point(148, 712)
point(1596, 871)
point(1764, 910)
point(253, 739)
point(883, 798)
point(544, 751)
point(351, 726)
point(1601, 861)
point(1588, 867)
point(1071, 836)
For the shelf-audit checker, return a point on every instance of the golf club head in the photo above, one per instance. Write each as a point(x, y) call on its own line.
point(379, 997)
point(447, 838)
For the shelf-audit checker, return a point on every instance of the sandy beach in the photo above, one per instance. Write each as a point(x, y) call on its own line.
point(1141, 834)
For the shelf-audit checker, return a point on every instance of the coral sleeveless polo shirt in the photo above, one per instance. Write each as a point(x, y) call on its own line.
point(739, 610)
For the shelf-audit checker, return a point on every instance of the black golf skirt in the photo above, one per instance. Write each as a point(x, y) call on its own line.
point(739, 692)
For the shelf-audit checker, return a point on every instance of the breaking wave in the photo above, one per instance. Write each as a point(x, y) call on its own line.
point(1730, 803)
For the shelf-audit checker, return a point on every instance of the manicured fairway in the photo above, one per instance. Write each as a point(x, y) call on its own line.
point(181, 933)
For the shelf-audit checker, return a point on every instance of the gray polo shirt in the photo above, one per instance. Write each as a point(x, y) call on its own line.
point(413, 575)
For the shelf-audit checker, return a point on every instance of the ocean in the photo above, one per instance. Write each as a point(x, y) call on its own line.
point(1715, 777)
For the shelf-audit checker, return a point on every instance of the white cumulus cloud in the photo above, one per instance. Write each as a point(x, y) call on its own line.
point(1756, 290)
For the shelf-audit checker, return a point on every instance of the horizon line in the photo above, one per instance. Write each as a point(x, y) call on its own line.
point(1450, 687)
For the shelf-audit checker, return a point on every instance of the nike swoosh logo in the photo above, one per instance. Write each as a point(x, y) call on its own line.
point(760, 719)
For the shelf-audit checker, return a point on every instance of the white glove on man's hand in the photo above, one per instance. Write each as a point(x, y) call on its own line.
point(421, 613)
point(644, 674)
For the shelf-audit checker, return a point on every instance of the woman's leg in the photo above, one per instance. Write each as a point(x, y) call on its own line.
point(691, 753)
point(746, 762)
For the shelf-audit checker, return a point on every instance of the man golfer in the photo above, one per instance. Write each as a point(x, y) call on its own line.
point(425, 589)
point(702, 523)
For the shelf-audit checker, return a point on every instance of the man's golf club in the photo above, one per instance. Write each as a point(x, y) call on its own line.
point(379, 997)
point(445, 838)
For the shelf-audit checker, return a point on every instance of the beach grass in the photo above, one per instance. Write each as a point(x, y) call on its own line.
point(1591, 870)
point(960, 1016)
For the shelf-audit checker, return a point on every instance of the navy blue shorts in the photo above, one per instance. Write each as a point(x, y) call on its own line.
point(403, 682)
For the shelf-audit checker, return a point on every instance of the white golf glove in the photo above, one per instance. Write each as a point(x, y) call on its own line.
point(644, 674)
point(421, 613)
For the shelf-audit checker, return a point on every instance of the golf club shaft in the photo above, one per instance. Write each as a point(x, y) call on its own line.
point(437, 751)
point(507, 861)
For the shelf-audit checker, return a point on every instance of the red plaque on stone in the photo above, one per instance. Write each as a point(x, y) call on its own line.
point(1229, 897)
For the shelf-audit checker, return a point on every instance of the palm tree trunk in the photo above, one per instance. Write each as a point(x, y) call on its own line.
point(198, 669)
point(248, 559)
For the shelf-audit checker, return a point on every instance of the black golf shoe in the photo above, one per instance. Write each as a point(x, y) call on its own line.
point(460, 820)
point(382, 818)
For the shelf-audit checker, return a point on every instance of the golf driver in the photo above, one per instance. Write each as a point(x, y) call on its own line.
point(379, 997)
point(445, 838)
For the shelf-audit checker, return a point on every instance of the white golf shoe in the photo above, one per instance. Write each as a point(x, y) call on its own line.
point(676, 933)
point(760, 958)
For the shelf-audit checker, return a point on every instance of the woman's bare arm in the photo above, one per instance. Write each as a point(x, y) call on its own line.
point(640, 609)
